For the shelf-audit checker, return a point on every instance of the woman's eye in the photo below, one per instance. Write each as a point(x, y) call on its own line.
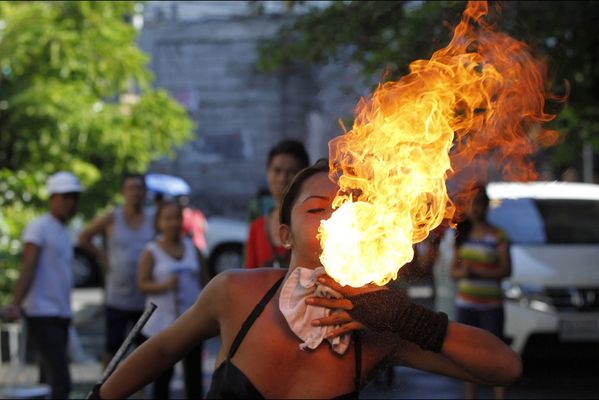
point(315, 210)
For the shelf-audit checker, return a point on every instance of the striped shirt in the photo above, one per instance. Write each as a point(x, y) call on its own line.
point(481, 255)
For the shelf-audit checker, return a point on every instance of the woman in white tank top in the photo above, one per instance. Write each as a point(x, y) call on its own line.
point(169, 275)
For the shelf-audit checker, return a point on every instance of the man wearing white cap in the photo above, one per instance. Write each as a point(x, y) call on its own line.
point(43, 289)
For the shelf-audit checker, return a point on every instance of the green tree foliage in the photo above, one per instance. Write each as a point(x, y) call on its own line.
point(75, 94)
point(385, 36)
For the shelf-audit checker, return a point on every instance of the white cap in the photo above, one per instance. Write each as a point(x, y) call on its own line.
point(63, 182)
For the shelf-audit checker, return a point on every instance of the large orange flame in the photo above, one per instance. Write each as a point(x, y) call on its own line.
point(479, 97)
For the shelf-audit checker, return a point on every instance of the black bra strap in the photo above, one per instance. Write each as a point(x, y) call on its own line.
point(247, 324)
point(358, 353)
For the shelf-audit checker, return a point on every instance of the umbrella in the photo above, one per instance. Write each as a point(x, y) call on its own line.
point(169, 185)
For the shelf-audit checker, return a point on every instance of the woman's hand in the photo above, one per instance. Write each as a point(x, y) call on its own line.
point(171, 283)
point(383, 310)
point(340, 316)
point(348, 291)
point(462, 270)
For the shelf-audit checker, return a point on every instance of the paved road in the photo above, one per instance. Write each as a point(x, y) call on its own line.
point(545, 381)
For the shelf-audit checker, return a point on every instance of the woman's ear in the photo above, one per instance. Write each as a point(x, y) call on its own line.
point(285, 236)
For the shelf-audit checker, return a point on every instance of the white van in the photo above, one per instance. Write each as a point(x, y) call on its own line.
point(552, 297)
point(225, 241)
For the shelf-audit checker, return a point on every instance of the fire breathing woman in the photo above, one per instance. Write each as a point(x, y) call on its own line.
point(283, 340)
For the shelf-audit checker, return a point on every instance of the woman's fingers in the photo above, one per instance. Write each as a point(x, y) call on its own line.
point(333, 319)
point(343, 304)
point(347, 291)
point(344, 322)
point(330, 282)
point(345, 328)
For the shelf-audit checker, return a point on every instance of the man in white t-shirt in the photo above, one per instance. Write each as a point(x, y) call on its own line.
point(42, 293)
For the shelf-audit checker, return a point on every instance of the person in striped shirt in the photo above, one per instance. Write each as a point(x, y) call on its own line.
point(481, 260)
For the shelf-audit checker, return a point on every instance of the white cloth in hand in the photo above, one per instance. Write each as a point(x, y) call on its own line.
point(302, 283)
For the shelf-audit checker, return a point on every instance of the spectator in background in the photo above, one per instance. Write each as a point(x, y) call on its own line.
point(570, 175)
point(194, 223)
point(171, 274)
point(481, 260)
point(45, 283)
point(126, 229)
point(263, 247)
point(157, 199)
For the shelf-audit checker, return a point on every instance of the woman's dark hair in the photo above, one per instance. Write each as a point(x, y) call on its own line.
point(291, 147)
point(161, 207)
point(294, 188)
point(464, 227)
point(481, 196)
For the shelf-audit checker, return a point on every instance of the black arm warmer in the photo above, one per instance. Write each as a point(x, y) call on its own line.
point(393, 311)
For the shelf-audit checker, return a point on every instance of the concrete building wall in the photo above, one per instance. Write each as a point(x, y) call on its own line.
point(207, 61)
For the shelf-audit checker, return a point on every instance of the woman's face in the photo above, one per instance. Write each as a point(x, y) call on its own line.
point(313, 204)
point(170, 221)
point(282, 169)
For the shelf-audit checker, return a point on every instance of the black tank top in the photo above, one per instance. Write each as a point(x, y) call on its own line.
point(229, 382)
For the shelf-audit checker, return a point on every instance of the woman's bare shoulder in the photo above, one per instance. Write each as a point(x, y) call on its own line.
point(235, 292)
point(249, 281)
point(244, 275)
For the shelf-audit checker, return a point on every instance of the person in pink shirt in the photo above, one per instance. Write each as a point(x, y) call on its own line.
point(194, 223)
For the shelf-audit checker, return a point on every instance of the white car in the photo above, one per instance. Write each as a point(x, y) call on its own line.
point(552, 297)
point(225, 240)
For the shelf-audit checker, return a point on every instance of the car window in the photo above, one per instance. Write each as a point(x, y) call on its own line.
point(570, 221)
point(520, 219)
point(554, 221)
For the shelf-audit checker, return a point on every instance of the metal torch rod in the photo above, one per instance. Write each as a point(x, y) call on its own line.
point(127, 342)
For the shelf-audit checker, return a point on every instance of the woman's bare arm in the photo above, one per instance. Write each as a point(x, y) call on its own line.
point(469, 354)
point(163, 350)
point(458, 269)
point(464, 352)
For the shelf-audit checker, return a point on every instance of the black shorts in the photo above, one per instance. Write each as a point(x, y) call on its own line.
point(118, 324)
point(491, 320)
